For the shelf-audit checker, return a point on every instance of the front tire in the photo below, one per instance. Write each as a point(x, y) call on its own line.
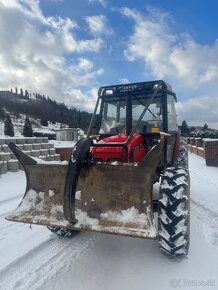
point(63, 232)
point(174, 211)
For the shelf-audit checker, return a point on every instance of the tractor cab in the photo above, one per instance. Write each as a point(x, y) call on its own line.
point(131, 118)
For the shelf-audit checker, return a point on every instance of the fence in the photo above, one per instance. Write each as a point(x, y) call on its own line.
point(206, 148)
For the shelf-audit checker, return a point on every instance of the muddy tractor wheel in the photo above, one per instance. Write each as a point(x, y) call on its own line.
point(63, 232)
point(174, 211)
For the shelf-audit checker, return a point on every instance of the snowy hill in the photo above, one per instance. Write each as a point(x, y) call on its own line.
point(18, 123)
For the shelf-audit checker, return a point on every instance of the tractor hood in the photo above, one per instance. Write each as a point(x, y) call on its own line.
point(116, 151)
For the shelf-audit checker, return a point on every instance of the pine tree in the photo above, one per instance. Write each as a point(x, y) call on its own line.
point(26, 94)
point(205, 128)
point(44, 122)
point(27, 129)
point(184, 129)
point(9, 128)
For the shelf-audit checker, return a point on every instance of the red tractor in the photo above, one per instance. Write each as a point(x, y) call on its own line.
point(107, 186)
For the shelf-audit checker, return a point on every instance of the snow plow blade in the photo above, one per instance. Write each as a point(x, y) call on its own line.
point(114, 199)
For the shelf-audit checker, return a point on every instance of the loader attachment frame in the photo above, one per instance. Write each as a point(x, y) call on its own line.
point(86, 196)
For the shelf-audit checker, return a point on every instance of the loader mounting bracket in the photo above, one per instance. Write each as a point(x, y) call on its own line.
point(80, 154)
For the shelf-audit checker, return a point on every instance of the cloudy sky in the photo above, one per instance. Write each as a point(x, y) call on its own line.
point(66, 49)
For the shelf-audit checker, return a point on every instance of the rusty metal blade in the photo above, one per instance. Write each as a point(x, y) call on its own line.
point(114, 199)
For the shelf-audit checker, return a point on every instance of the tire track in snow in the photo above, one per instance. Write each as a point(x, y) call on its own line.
point(203, 177)
point(206, 219)
point(28, 271)
point(10, 199)
point(8, 205)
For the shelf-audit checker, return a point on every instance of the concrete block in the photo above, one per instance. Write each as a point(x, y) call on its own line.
point(2, 141)
point(13, 165)
point(48, 158)
point(9, 140)
point(36, 146)
point(20, 140)
point(35, 153)
point(52, 151)
point(29, 140)
point(44, 152)
point(51, 145)
point(27, 147)
point(5, 156)
point(57, 157)
point(45, 146)
point(44, 139)
point(38, 140)
point(3, 167)
point(5, 148)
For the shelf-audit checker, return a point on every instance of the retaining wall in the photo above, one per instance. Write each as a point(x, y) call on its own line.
point(35, 147)
point(206, 148)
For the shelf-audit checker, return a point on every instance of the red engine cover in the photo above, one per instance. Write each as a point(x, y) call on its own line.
point(136, 149)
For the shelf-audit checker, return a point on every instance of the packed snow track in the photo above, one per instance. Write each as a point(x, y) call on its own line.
point(31, 257)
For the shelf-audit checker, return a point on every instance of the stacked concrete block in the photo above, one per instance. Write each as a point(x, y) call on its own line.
point(5, 156)
point(43, 152)
point(3, 167)
point(5, 148)
point(13, 165)
point(206, 148)
point(2, 141)
point(27, 147)
point(52, 151)
point(45, 145)
point(36, 147)
point(35, 153)
point(211, 152)
point(9, 140)
point(50, 157)
point(57, 157)
point(20, 141)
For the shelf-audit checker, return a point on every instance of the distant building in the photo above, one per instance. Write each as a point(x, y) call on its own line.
point(69, 134)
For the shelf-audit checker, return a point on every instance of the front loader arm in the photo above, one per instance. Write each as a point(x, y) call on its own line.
point(79, 155)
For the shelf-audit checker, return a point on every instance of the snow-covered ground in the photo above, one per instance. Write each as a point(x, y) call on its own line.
point(33, 258)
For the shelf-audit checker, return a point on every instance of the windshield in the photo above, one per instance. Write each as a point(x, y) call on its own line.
point(114, 115)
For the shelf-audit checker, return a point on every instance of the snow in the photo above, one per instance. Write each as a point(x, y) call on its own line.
point(63, 144)
point(34, 258)
point(18, 124)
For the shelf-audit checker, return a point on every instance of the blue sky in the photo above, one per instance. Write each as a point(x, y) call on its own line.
point(67, 49)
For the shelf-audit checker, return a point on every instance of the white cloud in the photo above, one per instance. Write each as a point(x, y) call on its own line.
point(124, 81)
point(85, 100)
point(198, 111)
point(98, 25)
point(102, 2)
point(42, 54)
point(169, 54)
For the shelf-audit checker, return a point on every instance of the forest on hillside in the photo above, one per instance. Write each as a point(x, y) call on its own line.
point(44, 108)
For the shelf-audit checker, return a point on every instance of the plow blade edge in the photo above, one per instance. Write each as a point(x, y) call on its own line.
point(115, 199)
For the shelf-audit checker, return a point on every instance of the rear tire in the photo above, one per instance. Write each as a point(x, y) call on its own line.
point(174, 211)
point(63, 232)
